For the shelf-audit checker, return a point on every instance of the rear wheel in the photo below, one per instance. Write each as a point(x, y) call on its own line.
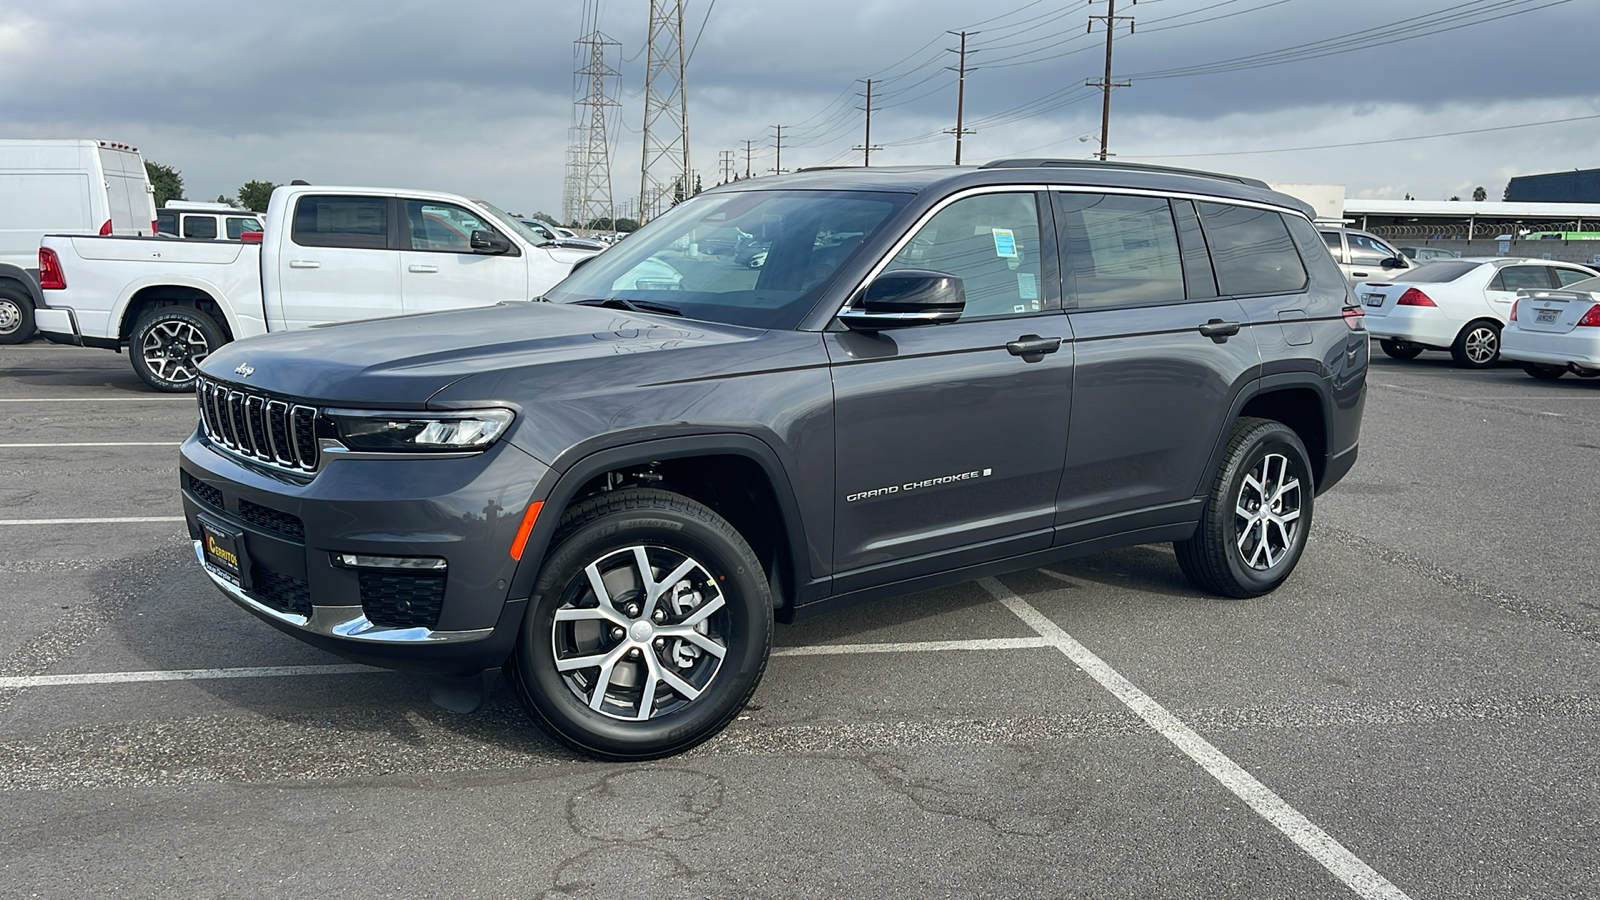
point(169, 343)
point(1477, 346)
point(1543, 372)
point(650, 627)
point(1257, 515)
point(16, 315)
point(1397, 350)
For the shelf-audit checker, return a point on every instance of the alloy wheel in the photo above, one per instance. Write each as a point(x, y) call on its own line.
point(1267, 512)
point(1482, 345)
point(174, 350)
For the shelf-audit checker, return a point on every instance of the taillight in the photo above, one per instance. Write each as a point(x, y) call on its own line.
point(1514, 308)
point(153, 227)
point(251, 237)
point(1414, 297)
point(1592, 317)
point(50, 277)
point(1355, 317)
point(106, 228)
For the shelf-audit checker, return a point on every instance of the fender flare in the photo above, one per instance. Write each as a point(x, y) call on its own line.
point(10, 272)
point(119, 310)
point(1265, 385)
point(581, 471)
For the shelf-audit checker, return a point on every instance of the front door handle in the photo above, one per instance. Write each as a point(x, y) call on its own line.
point(1358, 274)
point(1219, 331)
point(1032, 347)
point(424, 268)
point(304, 264)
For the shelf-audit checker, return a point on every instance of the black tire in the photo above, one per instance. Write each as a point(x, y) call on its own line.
point(1397, 350)
point(1543, 372)
point(1222, 558)
point(1478, 345)
point(607, 532)
point(16, 314)
point(169, 343)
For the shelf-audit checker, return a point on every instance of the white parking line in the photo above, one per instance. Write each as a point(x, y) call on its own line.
point(97, 444)
point(187, 398)
point(33, 681)
point(1318, 844)
point(916, 647)
point(117, 520)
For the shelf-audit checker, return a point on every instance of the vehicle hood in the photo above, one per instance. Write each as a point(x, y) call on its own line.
point(400, 362)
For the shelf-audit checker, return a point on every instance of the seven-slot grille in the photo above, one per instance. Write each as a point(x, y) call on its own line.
point(259, 427)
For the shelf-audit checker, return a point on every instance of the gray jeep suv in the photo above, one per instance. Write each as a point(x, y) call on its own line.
point(933, 375)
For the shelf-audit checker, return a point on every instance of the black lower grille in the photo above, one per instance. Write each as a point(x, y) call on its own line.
point(284, 593)
point(203, 492)
point(272, 520)
point(402, 601)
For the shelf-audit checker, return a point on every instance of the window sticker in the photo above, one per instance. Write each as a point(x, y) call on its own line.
point(1005, 243)
point(1028, 287)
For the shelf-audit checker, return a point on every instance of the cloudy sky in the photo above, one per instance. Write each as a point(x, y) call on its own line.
point(478, 98)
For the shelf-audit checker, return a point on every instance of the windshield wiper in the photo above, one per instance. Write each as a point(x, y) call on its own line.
point(631, 305)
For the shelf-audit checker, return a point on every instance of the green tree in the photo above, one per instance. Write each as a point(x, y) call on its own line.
point(223, 198)
point(1455, 196)
point(255, 195)
point(697, 187)
point(167, 181)
point(1479, 194)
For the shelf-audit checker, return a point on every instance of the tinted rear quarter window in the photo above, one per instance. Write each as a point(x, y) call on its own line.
point(361, 222)
point(1251, 250)
point(201, 227)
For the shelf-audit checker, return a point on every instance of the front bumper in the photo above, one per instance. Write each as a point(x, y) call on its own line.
point(288, 529)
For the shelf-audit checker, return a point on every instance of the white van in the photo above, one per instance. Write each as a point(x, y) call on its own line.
point(55, 187)
point(198, 221)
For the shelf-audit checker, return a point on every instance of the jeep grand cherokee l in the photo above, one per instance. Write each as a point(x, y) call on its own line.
point(935, 374)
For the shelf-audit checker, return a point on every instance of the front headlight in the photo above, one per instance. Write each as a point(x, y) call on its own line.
point(406, 432)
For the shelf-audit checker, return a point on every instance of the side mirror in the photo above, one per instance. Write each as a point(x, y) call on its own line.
point(907, 297)
point(489, 242)
point(1394, 262)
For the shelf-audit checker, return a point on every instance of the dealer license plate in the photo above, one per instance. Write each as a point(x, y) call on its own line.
point(224, 550)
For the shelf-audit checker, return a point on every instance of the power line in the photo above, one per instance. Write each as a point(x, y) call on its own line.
point(1415, 137)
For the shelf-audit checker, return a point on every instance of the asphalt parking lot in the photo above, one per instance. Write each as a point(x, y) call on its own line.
point(1414, 714)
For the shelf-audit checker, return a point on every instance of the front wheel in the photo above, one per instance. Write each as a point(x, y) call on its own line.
point(649, 628)
point(1477, 346)
point(1543, 372)
point(168, 345)
point(1397, 350)
point(16, 315)
point(1257, 515)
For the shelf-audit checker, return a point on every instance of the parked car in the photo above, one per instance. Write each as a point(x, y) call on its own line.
point(76, 186)
point(198, 221)
point(1364, 256)
point(546, 233)
point(614, 493)
point(1553, 332)
point(329, 254)
point(1424, 254)
point(1459, 305)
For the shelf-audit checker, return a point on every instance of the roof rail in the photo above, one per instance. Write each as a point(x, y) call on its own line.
point(1109, 164)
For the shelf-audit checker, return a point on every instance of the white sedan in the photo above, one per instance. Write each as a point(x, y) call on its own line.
point(1459, 305)
point(1555, 332)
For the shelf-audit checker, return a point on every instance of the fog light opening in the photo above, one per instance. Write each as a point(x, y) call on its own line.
point(405, 563)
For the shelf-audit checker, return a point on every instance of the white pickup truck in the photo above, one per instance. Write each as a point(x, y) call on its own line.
point(329, 254)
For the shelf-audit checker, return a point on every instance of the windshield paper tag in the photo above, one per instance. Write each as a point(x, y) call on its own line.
point(1005, 243)
point(1028, 287)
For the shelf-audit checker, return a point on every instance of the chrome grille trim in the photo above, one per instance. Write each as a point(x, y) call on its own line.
point(260, 428)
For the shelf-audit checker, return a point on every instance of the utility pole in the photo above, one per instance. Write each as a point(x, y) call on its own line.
point(866, 148)
point(961, 90)
point(777, 167)
point(726, 161)
point(1106, 84)
point(748, 153)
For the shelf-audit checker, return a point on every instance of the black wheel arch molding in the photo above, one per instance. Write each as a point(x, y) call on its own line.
point(26, 278)
point(1272, 396)
point(580, 466)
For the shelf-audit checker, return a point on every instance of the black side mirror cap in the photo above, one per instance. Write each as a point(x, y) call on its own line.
point(907, 297)
point(489, 242)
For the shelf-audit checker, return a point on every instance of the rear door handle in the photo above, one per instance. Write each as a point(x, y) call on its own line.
point(304, 264)
point(420, 268)
point(1032, 347)
point(1219, 331)
point(1358, 274)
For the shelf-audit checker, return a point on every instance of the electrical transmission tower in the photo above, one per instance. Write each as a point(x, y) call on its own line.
point(1106, 84)
point(594, 200)
point(666, 176)
point(726, 162)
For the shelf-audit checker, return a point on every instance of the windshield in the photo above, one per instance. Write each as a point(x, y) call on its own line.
point(510, 223)
point(758, 258)
point(1440, 272)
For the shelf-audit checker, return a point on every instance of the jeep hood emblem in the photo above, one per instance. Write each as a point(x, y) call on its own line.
point(245, 369)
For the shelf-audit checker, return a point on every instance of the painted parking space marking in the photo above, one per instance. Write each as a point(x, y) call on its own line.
point(154, 399)
point(1318, 844)
point(1025, 643)
point(95, 444)
point(36, 681)
point(112, 520)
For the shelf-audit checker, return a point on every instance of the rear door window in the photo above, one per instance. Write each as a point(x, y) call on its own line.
point(1119, 250)
point(1251, 250)
point(327, 221)
point(1522, 278)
